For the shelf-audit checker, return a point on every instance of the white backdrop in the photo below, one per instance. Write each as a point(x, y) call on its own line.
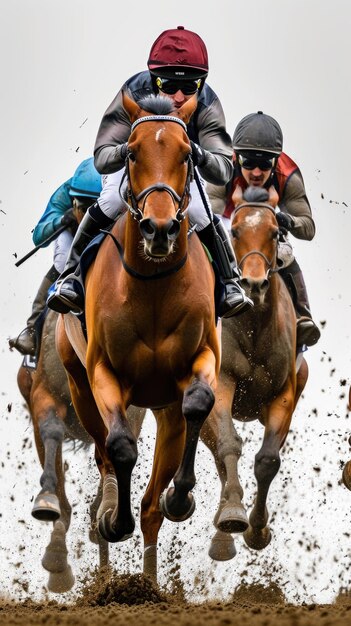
point(61, 64)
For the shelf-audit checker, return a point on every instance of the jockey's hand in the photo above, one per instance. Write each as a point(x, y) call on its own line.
point(285, 221)
point(68, 219)
point(123, 151)
point(198, 154)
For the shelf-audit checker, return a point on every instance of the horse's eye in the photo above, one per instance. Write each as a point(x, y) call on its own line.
point(234, 233)
point(275, 234)
point(131, 156)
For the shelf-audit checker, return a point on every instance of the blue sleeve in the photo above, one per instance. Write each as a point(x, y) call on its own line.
point(58, 204)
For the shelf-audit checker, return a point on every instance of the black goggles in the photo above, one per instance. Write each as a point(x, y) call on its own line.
point(169, 86)
point(253, 162)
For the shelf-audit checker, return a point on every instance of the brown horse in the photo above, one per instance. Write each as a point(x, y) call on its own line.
point(45, 389)
point(46, 392)
point(258, 377)
point(152, 339)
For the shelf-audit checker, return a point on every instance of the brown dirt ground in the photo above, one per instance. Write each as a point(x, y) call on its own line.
point(127, 600)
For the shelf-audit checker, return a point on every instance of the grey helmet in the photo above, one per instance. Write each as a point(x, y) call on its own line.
point(258, 135)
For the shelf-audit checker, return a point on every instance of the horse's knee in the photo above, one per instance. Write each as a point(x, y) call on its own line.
point(52, 427)
point(122, 448)
point(267, 464)
point(198, 401)
point(231, 445)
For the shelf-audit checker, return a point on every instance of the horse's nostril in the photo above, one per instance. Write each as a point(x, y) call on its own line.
point(147, 228)
point(173, 230)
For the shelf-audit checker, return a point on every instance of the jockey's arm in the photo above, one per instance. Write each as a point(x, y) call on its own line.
point(296, 204)
point(215, 141)
point(113, 133)
point(50, 221)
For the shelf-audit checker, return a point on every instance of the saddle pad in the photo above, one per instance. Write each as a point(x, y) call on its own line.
point(75, 334)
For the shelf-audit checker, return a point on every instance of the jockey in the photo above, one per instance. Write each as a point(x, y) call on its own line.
point(177, 68)
point(260, 161)
point(66, 207)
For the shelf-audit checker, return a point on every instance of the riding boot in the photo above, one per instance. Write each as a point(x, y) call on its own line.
point(307, 332)
point(26, 342)
point(67, 294)
point(216, 239)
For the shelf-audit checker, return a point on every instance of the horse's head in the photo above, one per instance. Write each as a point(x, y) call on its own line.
point(159, 170)
point(255, 240)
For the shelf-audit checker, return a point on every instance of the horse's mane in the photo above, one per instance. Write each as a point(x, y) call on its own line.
point(159, 105)
point(256, 194)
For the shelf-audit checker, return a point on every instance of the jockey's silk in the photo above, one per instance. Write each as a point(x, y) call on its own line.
point(285, 168)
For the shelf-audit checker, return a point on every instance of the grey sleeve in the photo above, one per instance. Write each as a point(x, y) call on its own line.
point(213, 138)
point(113, 132)
point(296, 204)
point(217, 196)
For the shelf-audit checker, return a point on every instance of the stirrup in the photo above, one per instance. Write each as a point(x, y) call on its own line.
point(61, 303)
point(236, 308)
point(236, 301)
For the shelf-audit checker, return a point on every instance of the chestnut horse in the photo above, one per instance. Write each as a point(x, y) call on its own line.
point(151, 330)
point(258, 378)
point(45, 389)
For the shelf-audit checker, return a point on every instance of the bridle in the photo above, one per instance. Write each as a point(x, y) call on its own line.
point(269, 263)
point(137, 212)
point(133, 204)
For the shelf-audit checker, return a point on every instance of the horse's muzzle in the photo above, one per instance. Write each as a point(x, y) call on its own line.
point(255, 288)
point(159, 237)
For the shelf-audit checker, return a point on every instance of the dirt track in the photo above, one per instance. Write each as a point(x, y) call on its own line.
point(129, 600)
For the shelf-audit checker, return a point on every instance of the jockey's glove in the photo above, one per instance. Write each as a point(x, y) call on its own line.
point(198, 154)
point(123, 151)
point(285, 221)
point(68, 218)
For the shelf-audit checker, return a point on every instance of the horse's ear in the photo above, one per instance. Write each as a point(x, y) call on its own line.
point(185, 112)
point(130, 107)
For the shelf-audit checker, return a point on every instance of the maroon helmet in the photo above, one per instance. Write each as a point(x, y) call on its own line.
point(178, 54)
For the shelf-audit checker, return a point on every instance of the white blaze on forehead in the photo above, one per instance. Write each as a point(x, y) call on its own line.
point(158, 133)
point(254, 219)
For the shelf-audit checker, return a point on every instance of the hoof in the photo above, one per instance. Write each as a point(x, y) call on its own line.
point(180, 515)
point(55, 557)
point(46, 507)
point(257, 539)
point(346, 475)
point(233, 519)
point(108, 533)
point(62, 581)
point(222, 547)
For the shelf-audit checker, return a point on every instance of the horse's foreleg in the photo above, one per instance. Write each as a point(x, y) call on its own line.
point(167, 456)
point(220, 436)
point(55, 560)
point(178, 504)
point(49, 432)
point(267, 463)
point(121, 449)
